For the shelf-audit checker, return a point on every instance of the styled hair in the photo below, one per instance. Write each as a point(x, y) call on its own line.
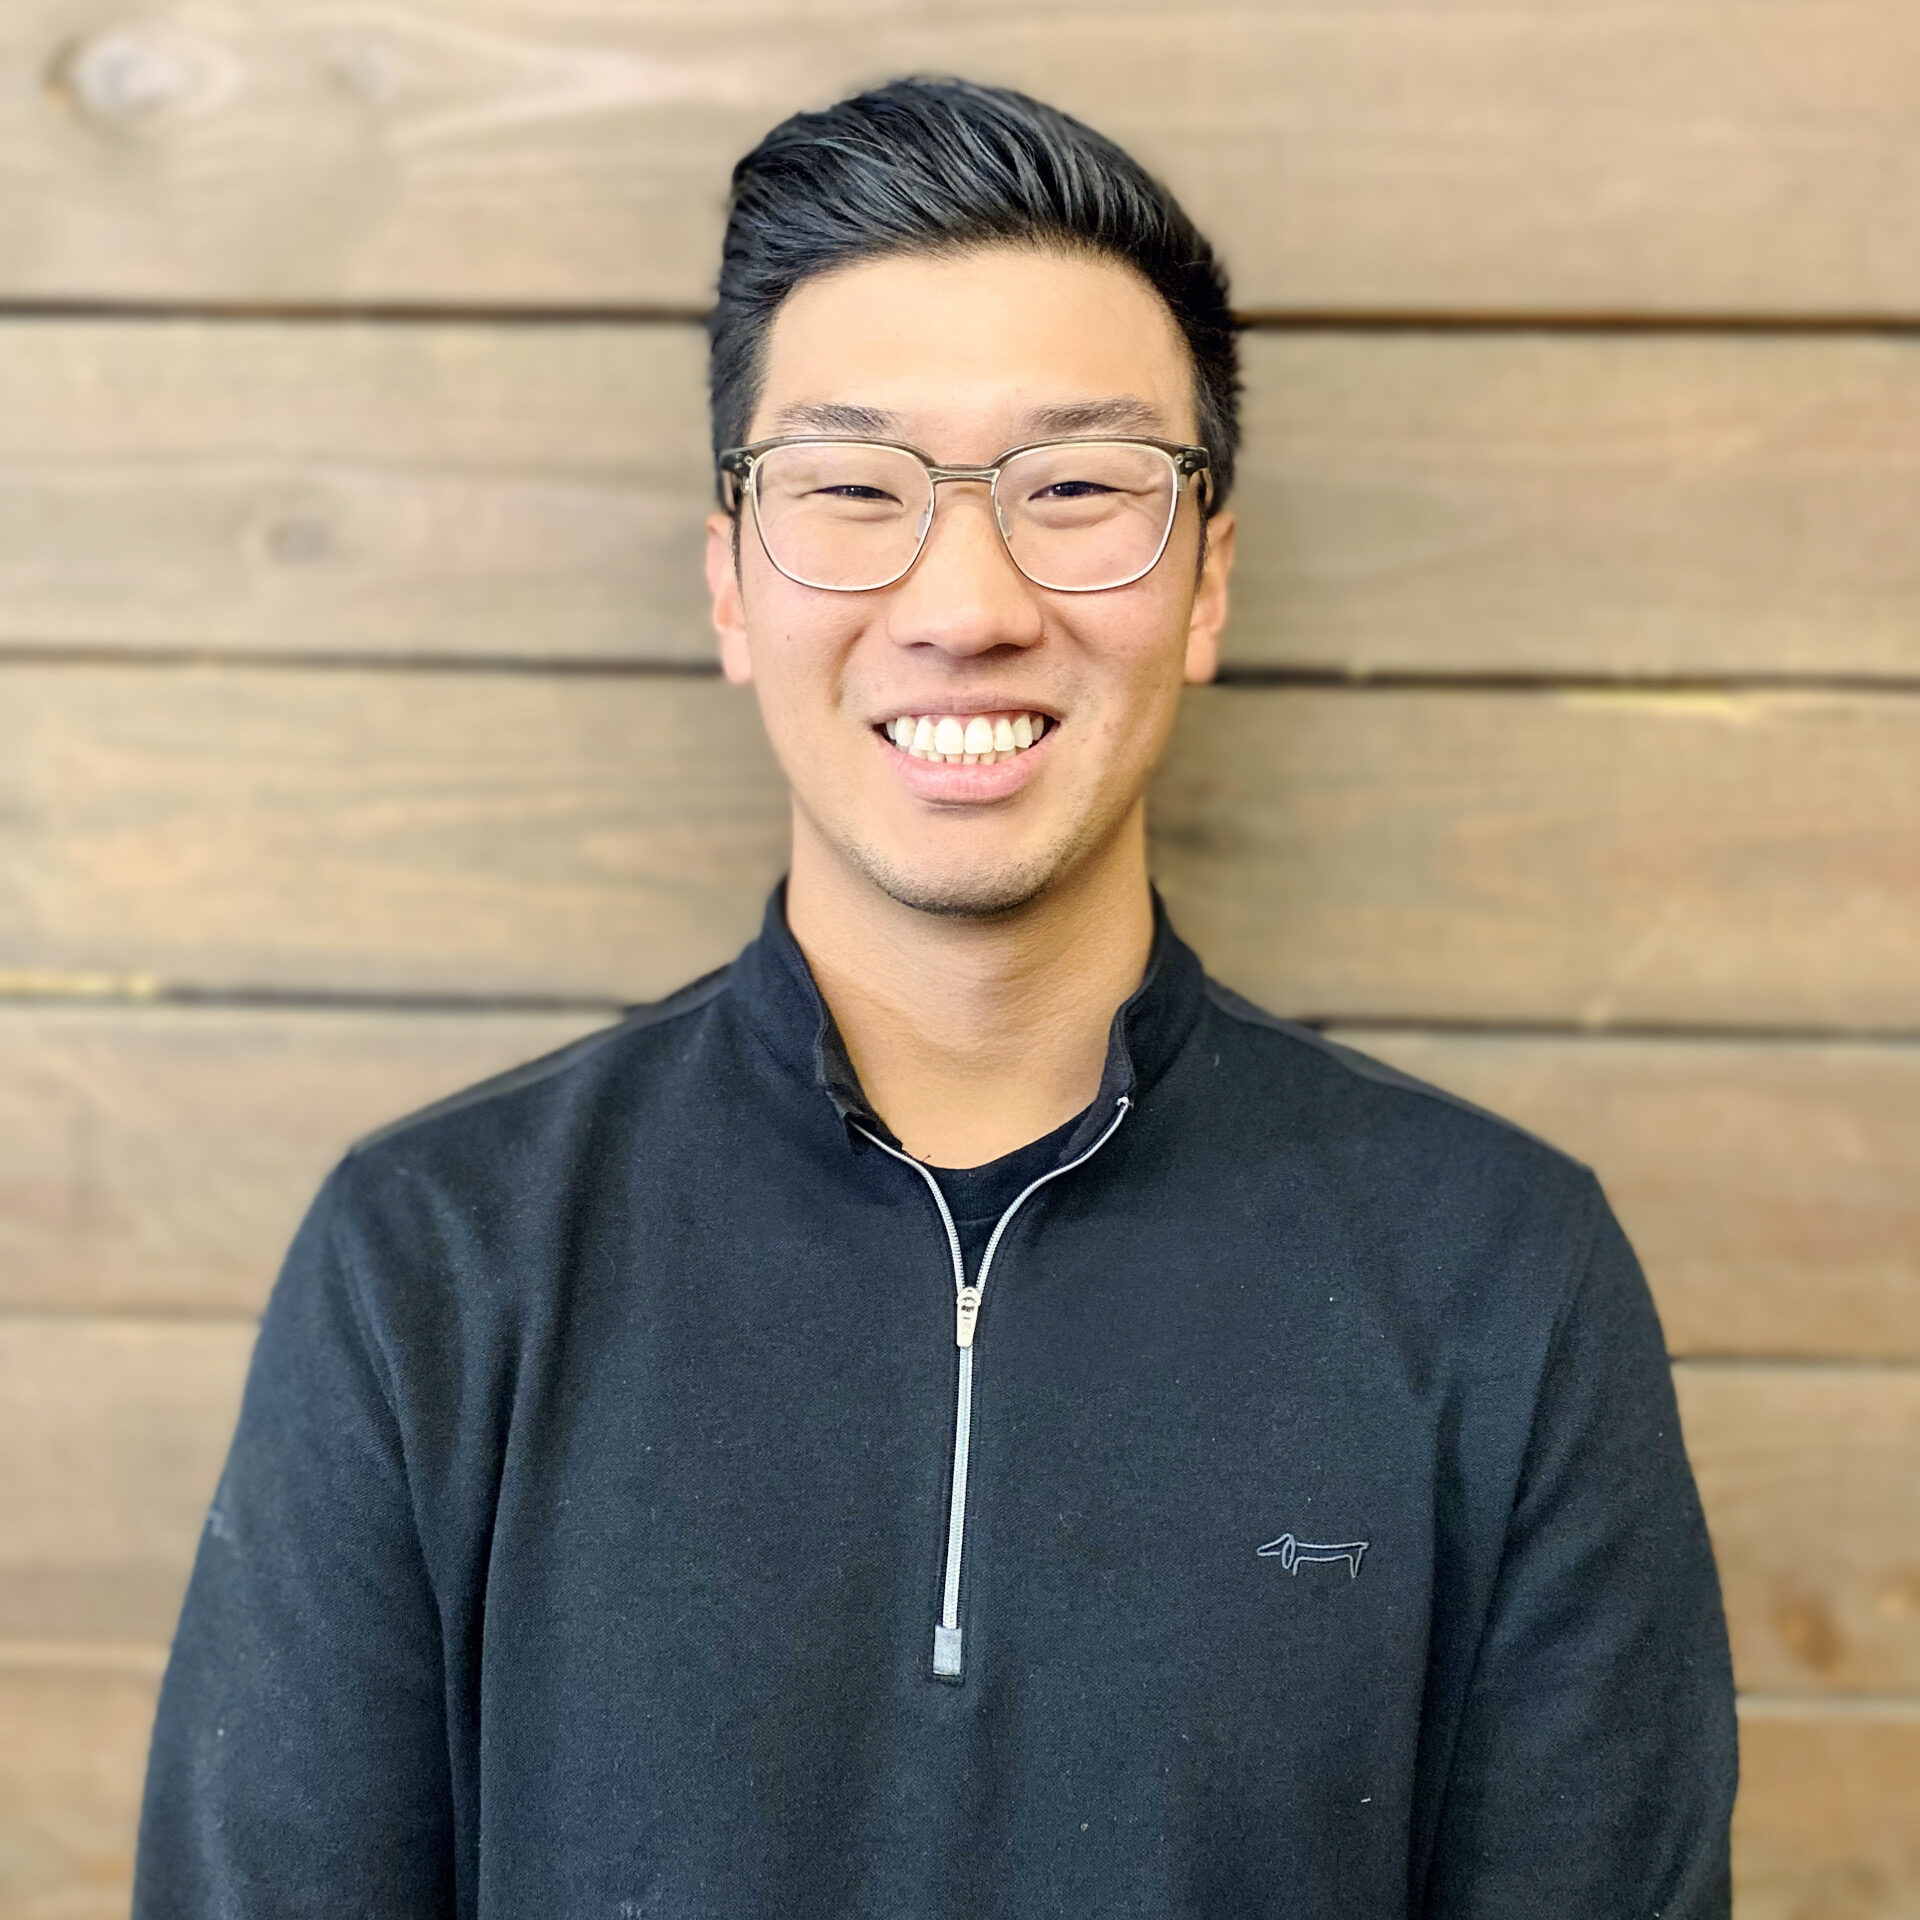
point(925, 166)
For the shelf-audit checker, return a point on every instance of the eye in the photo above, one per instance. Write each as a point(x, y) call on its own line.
point(850, 491)
point(1072, 490)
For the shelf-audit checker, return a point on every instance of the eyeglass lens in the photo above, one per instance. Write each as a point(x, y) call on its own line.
point(1077, 517)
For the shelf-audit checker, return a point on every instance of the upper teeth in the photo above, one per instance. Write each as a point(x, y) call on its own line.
point(968, 738)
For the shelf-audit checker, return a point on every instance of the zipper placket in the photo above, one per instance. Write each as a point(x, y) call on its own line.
point(948, 1661)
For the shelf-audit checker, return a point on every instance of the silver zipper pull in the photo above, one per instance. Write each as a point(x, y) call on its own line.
point(966, 1312)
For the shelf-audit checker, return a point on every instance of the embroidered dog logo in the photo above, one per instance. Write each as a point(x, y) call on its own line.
point(1292, 1553)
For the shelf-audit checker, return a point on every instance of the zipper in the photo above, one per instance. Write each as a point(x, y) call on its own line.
point(948, 1663)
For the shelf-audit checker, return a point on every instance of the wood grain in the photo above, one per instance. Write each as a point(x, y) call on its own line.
point(1726, 861)
point(156, 1159)
point(1425, 503)
point(73, 1750)
point(488, 833)
point(1564, 858)
point(111, 1437)
point(112, 1432)
point(1824, 1826)
point(159, 1159)
point(1810, 1477)
point(1708, 155)
point(354, 489)
point(1768, 1185)
point(1586, 505)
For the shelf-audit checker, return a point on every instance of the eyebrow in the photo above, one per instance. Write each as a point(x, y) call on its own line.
point(1118, 413)
point(1122, 413)
point(834, 416)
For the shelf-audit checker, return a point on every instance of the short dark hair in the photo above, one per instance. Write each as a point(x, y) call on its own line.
point(937, 166)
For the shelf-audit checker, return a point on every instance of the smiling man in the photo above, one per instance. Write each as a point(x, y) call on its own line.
point(955, 1414)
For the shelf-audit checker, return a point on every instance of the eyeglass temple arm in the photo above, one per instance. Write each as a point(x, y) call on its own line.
point(730, 473)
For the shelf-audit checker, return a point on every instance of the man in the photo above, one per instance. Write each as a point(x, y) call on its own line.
point(955, 1414)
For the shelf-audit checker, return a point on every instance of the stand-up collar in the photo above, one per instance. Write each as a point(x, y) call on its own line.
point(779, 998)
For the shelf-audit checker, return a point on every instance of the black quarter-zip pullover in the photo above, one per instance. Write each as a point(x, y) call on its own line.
point(1325, 1542)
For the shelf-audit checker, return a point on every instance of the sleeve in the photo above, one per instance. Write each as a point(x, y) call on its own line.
point(299, 1761)
point(1594, 1770)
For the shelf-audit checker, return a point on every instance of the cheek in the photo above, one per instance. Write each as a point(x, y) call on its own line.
point(799, 639)
point(801, 643)
point(1134, 649)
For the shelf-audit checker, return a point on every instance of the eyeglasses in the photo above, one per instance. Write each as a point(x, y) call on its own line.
point(1076, 516)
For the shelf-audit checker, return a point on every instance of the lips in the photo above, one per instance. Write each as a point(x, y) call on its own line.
point(966, 739)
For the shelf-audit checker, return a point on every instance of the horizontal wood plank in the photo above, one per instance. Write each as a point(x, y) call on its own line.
point(354, 489)
point(441, 832)
point(1768, 1185)
point(1810, 1477)
point(112, 1432)
point(1425, 503)
point(1579, 504)
point(1717, 155)
point(1824, 1826)
point(1725, 861)
point(156, 1159)
point(73, 1752)
point(1594, 859)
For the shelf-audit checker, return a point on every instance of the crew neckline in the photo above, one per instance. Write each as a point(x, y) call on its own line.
point(985, 1192)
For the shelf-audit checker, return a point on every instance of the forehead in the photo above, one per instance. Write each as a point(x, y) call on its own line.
point(976, 347)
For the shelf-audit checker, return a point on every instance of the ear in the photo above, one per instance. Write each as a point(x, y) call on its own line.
point(1209, 613)
point(728, 603)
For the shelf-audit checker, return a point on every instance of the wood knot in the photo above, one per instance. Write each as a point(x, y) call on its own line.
point(1807, 1626)
point(298, 540)
point(367, 72)
point(124, 78)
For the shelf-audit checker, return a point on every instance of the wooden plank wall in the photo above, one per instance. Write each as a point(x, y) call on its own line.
point(358, 737)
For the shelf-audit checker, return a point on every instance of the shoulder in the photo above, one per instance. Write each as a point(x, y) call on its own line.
point(1405, 1154)
point(611, 1062)
point(1312, 1062)
point(484, 1182)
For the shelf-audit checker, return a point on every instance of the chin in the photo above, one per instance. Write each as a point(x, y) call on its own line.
point(975, 892)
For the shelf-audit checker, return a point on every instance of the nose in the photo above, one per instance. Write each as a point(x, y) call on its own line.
point(964, 595)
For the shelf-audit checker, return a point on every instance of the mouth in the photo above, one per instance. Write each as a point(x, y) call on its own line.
point(966, 739)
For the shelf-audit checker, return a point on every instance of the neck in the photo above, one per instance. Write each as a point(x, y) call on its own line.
point(974, 1036)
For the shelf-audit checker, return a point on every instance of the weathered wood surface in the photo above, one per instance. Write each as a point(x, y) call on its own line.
point(111, 1437)
point(159, 1159)
point(1810, 1477)
point(448, 832)
point(1600, 859)
point(354, 488)
point(1426, 503)
point(1769, 1186)
point(73, 1750)
point(156, 1159)
point(1697, 156)
point(1585, 505)
point(112, 1432)
point(1824, 1828)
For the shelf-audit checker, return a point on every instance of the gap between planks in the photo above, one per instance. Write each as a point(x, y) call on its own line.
point(35, 987)
point(1775, 324)
point(1248, 674)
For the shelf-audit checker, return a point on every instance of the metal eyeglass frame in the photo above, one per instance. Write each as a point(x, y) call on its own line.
point(741, 466)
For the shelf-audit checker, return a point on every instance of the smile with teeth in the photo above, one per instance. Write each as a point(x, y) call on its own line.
point(965, 739)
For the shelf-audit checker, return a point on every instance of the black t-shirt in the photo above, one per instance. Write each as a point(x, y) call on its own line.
point(978, 1196)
